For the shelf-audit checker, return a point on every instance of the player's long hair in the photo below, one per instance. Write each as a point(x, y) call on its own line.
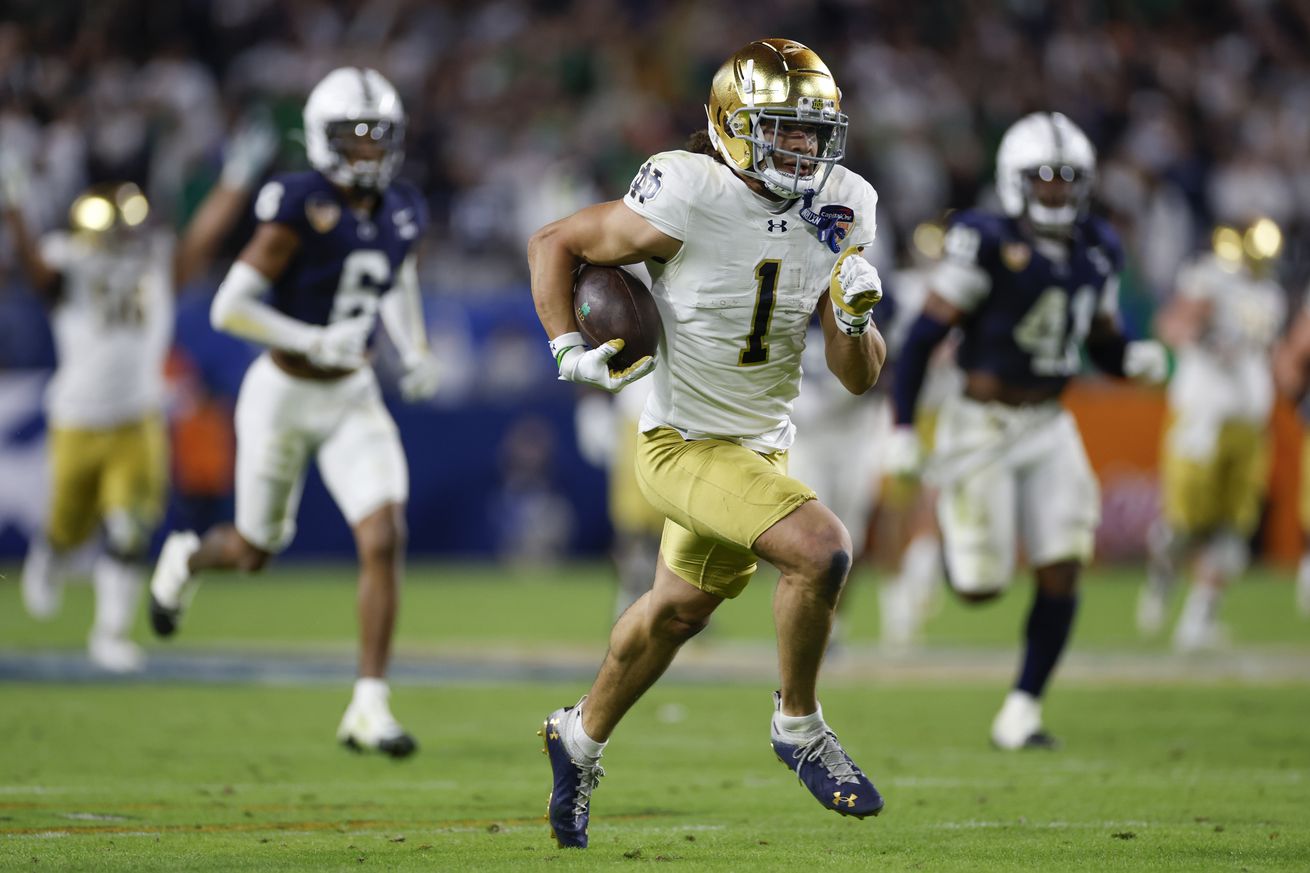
point(699, 143)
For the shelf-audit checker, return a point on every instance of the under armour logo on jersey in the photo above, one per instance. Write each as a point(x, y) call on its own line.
point(647, 184)
point(777, 225)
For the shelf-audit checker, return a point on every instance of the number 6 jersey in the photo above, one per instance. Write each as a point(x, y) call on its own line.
point(736, 299)
point(345, 260)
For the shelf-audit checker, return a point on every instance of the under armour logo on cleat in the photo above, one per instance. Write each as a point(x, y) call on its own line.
point(838, 799)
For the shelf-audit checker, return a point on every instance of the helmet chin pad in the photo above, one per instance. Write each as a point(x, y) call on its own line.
point(1052, 218)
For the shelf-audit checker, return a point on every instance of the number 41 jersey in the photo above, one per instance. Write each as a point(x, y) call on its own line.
point(346, 260)
point(736, 299)
point(1028, 302)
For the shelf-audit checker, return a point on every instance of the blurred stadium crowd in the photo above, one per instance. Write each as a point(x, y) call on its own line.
point(521, 111)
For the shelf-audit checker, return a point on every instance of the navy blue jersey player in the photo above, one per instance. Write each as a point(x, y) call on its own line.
point(334, 249)
point(1028, 289)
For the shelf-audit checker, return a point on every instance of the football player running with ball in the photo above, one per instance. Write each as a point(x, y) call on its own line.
point(333, 250)
point(1028, 288)
point(745, 234)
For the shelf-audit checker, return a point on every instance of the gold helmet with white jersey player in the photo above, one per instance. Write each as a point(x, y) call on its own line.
point(746, 234)
point(109, 280)
point(1226, 313)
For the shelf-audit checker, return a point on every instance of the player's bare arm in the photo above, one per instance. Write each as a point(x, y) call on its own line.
point(217, 214)
point(609, 234)
point(271, 249)
point(46, 281)
point(1183, 321)
point(1292, 360)
point(856, 361)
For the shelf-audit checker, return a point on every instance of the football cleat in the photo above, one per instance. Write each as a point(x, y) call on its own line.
point(365, 729)
point(1019, 724)
point(822, 766)
point(169, 588)
point(569, 807)
point(115, 654)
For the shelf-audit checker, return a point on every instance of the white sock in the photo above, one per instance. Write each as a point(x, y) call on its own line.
point(576, 741)
point(371, 692)
point(799, 726)
point(118, 588)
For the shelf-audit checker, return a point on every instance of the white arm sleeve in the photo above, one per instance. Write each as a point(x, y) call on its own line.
point(239, 310)
point(402, 313)
point(958, 278)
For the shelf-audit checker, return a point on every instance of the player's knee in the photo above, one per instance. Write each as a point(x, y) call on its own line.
point(1060, 579)
point(249, 557)
point(126, 536)
point(825, 560)
point(381, 539)
point(680, 627)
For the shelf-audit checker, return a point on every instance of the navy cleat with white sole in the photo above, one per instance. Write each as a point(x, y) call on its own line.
point(569, 807)
point(823, 767)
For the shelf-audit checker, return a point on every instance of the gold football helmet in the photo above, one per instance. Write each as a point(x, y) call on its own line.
point(764, 90)
point(108, 206)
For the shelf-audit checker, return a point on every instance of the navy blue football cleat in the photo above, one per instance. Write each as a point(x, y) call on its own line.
point(823, 767)
point(569, 806)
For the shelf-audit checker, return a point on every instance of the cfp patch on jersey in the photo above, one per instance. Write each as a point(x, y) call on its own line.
point(1016, 256)
point(322, 213)
point(831, 223)
point(647, 184)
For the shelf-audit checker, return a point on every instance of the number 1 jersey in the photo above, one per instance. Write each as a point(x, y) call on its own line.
point(736, 299)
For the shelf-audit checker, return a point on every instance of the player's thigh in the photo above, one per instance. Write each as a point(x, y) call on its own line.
point(135, 478)
point(363, 462)
point(1191, 477)
point(977, 511)
point(1059, 499)
point(716, 488)
point(718, 497)
point(630, 511)
point(76, 460)
point(1245, 448)
point(274, 416)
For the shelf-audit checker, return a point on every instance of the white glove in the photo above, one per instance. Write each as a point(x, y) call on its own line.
point(576, 364)
point(855, 288)
point(902, 454)
point(341, 345)
point(248, 154)
point(421, 378)
point(1146, 361)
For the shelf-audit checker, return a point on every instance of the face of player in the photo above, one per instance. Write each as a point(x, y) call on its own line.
point(1054, 187)
point(363, 144)
point(801, 139)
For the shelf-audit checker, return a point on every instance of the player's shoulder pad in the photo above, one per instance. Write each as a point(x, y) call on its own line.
point(1099, 233)
point(679, 172)
point(283, 198)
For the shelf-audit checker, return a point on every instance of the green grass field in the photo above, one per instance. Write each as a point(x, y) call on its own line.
point(1168, 763)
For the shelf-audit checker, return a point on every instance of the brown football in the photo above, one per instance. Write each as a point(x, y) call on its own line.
point(611, 303)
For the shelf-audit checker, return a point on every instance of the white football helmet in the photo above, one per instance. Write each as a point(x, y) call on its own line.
point(355, 128)
point(1045, 146)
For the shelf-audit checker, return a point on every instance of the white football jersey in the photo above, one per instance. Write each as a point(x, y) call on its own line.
point(736, 299)
point(1226, 373)
point(112, 328)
